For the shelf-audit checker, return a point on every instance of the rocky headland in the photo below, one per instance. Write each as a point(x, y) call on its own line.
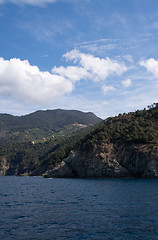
point(125, 146)
point(109, 161)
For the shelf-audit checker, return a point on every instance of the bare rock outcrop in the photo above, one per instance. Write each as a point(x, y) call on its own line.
point(108, 160)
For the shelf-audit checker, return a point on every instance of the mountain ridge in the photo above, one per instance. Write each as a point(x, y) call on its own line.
point(41, 123)
point(118, 147)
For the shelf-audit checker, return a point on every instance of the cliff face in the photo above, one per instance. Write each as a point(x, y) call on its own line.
point(4, 166)
point(109, 160)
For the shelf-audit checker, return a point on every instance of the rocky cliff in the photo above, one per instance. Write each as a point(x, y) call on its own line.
point(109, 160)
point(119, 147)
point(123, 146)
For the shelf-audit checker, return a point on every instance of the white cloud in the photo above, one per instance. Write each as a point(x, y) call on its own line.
point(72, 73)
point(99, 68)
point(151, 66)
point(21, 81)
point(126, 83)
point(88, 67)
point(107, 89)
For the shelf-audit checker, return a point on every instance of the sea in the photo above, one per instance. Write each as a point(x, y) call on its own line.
point(35, 208)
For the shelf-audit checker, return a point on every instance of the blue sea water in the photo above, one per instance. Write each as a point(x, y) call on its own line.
point(61, 209)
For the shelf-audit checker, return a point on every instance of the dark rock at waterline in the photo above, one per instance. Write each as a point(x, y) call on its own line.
point(139, 161)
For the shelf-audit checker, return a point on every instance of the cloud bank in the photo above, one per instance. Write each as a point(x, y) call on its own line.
point(72, 73)
point(94, 68)
point(21, 81)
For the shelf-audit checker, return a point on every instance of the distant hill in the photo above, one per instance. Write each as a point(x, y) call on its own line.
point(40, 124)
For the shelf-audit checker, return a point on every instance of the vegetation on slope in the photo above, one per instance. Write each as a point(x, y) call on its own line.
point(35, 158)
point(41, 124)
point(139, 127)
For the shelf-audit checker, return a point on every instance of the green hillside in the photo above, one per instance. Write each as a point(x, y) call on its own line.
point(122, 146)
point(140, 127)
point(29, 142)
point(42, 124)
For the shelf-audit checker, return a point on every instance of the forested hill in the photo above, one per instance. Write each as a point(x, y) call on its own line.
point(122, 146)
point(40, 124)
point(54, 119)
point(139, 127)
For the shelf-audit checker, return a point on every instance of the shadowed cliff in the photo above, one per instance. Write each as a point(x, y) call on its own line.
point(123, 146)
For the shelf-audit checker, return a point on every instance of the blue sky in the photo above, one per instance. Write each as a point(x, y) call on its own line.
point(91, 55)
